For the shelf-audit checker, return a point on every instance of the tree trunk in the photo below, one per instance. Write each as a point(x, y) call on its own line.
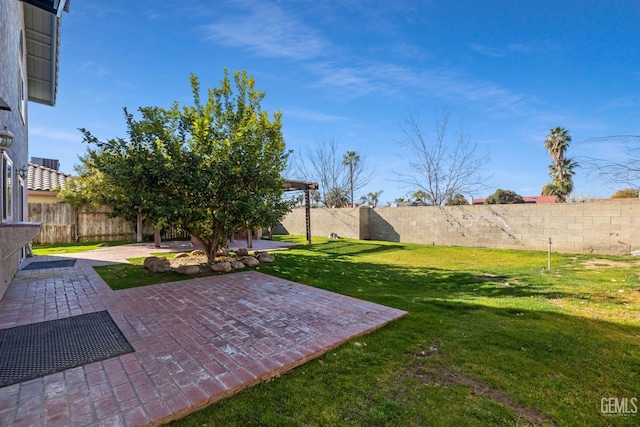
point(210, 248)
point(156, 237)
point(139, 228)
point(249, 238)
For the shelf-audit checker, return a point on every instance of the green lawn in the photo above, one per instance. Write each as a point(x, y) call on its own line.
point(491, 339)
point(124, 276)
point(67, 248)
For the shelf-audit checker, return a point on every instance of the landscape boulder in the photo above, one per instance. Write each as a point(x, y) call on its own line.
point(221, 267)
point(182, 255)
point(250, 261)
point(222, 252)
point(264, 257)
point(188, 269)
point(149, 260)
point(157, 264)
point(242, 252)
point(237, 265)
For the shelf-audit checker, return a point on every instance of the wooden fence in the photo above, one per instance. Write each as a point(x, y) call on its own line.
point(61, 223)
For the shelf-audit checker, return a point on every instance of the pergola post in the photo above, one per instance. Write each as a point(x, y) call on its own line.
point(307, 214)
point(291, 185)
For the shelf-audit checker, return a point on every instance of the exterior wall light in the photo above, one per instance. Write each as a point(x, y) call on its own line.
point(6, 139)
point(23, 172)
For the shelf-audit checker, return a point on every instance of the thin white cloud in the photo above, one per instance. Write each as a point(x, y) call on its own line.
point(399, 81)
point(56, 134)
point(623, 102)
point(264, 29)
point(500, 52)
point(93, 68)
point(488, 50)
point(311, 116)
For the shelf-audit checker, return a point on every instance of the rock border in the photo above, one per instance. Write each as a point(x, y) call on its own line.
point(227, 262)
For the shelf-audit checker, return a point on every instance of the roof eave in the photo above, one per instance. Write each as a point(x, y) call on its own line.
point(42, 35)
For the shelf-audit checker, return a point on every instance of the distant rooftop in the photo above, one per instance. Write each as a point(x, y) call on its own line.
point(45, 179)
point(537, 200)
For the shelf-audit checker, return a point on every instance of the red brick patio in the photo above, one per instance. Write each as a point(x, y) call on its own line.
point(196, 341)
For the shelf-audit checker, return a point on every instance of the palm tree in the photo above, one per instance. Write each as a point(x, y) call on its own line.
point(422, 196)
point(371, 199)
point(336, 198)
point(351, 159)
point(557, 143)
point(561, 169)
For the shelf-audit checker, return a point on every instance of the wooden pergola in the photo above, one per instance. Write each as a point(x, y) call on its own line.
point(292, 185)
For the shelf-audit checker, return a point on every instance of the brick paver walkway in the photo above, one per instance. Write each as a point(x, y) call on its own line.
point(196, 341)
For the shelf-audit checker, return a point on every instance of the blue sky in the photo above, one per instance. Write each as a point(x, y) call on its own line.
point(507, 71)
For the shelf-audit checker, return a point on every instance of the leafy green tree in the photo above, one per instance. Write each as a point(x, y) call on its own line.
point(561, 170)
point(211, 168)
point(626, 193)
point(81, 190)
point(502, 197)
point(231, 163)
point(457, 200)
point(139, 173)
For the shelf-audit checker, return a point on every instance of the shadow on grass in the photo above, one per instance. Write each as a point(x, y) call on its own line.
point(341, 248)
point(392, 284)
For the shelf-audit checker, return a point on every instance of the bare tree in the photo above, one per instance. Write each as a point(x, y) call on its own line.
point(442, 164)
point(623, 170)
point(338, 176)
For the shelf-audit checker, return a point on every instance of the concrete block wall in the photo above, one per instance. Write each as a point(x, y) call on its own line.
point(608, 227)
point(345, 222)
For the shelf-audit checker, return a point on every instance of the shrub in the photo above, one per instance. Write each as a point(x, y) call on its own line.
point(501, 197)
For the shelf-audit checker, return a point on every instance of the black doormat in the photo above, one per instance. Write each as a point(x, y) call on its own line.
point(50, 264)
point(39, 349)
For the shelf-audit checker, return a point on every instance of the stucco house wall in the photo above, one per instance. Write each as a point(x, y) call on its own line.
point(13, 80)
point(28, 72)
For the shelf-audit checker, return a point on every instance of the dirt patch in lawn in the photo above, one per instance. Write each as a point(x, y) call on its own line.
point(594, 264)
point(445, 375)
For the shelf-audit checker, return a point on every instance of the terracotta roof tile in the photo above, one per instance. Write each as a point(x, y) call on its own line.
point(45, 179)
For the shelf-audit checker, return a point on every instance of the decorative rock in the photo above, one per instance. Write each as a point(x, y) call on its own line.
point(237, 265)
point(222, 252)
point(265, 257)
point(250, 261)
point(182, 255)
point(160, 265)
point(221, 267)
point(188, 269)
point(150, 260)
point(242, 252)
point(197, 252)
